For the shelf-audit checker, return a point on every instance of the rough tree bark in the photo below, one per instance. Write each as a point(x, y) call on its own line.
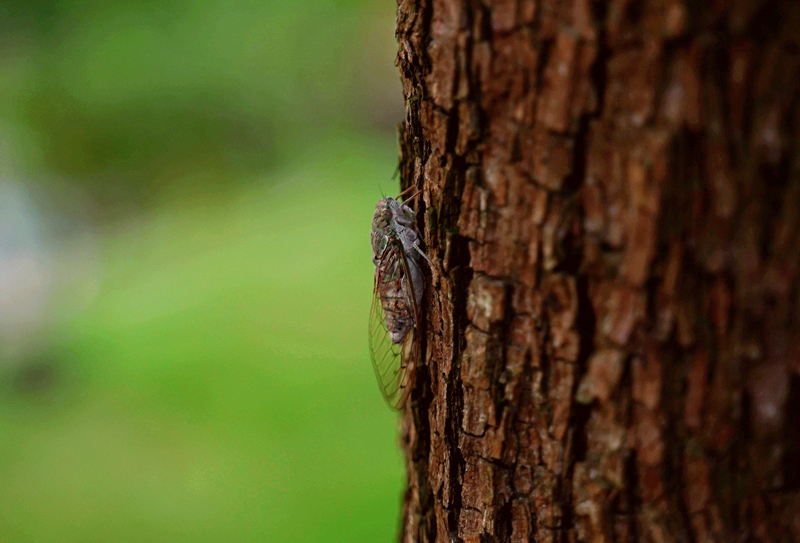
point(611, 192)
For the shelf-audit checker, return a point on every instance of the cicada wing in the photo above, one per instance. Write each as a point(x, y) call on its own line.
point(394, 362)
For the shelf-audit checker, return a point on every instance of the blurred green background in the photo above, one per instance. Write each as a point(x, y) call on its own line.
point(186, 190)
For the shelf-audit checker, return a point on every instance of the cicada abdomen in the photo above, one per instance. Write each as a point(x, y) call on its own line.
point(394, 335)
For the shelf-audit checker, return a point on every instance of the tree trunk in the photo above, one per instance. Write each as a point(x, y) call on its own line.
point(611, 197)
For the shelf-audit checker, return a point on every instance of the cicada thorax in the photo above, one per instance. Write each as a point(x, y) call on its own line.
point(398, 290)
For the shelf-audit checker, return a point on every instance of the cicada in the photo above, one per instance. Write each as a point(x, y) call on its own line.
point(394, 320)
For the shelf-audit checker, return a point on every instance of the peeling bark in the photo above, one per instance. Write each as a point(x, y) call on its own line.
point(611, 194)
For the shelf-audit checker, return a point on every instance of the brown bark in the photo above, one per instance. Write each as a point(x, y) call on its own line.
point(611, 194)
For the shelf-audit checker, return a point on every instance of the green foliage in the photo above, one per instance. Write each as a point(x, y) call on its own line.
point(218, 387)
point(140, 92)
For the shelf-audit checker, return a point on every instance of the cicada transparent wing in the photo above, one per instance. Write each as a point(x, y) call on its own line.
point(393, 325)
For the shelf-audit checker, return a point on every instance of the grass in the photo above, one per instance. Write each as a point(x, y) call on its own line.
point(218, 388)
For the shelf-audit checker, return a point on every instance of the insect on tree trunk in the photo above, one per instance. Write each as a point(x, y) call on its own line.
point(611, 198)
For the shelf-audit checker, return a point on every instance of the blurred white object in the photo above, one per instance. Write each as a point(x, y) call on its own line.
point(26, 274)
point(35, 262)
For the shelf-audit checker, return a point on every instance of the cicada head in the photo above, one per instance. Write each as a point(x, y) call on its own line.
point(382, 227)
point(389, 213)
point(382, 219)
